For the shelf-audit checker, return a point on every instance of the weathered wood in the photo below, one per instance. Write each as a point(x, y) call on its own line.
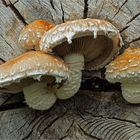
point(88, 115)
point(9, 31)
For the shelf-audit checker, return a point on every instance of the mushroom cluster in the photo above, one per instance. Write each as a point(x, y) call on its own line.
point(83, 43)
point(126, 70)
point(34, 73)
point(54, 69)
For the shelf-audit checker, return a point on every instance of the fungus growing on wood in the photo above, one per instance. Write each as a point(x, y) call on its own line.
point(85, 42)
point(126, 70)
point(31, 34)
point(34, 72)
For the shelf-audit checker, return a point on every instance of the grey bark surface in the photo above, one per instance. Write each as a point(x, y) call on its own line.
point(88, 115)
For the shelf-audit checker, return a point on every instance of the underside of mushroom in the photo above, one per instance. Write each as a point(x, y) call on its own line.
point(88, 43)
point(37, 74)
point(96, 52)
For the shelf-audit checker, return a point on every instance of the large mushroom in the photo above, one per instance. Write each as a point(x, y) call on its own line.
point(36, 73)
point(126, 70)
point(85, 42)
point(31, 34)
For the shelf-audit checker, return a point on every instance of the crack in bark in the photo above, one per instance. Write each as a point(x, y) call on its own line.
point(85, 12)
point(15, 11)
point(120, 8)
point(38, 122)
point(13, 106)
point(51, 123)
point(134, 40)
point(63, 137)
point(7, 43)
point(114, 118)
point(70, 127)
point(26, 137)
point(52, 4)
point(36, 116)
point(11, 96)
point(133, 18)
point(2, 60)
point(26, 122)
point(123, 29)
point(87, 133)
point(123, 120)
point(101, 116)
point(68, 130)
point(63, 13)
point(15, 2)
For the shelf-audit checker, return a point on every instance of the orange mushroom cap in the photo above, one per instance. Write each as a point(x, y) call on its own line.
point(125, 66)
point(126, 70)
point(32, 65)
point(31, 34)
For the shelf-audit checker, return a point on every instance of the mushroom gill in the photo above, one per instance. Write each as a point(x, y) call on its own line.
point(126, 70)
point(37, 74)
point(85, 42)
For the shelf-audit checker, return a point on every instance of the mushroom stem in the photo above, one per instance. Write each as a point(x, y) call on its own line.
point(37, 96)
point(71, 86)
point(131, 92)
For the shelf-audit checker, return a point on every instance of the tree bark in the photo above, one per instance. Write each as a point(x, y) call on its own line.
point(88, 115)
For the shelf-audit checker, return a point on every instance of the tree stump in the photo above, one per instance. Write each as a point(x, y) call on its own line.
point(88, 115)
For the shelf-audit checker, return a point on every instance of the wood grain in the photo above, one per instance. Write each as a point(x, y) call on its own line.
point(89, 115)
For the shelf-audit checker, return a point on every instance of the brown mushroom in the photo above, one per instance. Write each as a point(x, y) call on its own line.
point(126, 70)
point(31, 34)
point(89, 42)
point(45, 69)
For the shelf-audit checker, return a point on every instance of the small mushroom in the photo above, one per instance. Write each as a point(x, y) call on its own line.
point(126, 70)
point(37, 74)
point(31, 34)
point(85, 42)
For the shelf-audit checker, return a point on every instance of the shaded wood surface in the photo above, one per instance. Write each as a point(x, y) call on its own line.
point(88, 115)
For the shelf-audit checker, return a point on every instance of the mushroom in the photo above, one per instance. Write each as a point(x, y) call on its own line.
point(31, 34)
point(85, 42)
point(36, 73)
point(126, 70)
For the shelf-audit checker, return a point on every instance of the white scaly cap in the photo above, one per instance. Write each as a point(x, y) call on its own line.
point(126, 70)
point(34, 64)
point(97, 50)
point(125, 66)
